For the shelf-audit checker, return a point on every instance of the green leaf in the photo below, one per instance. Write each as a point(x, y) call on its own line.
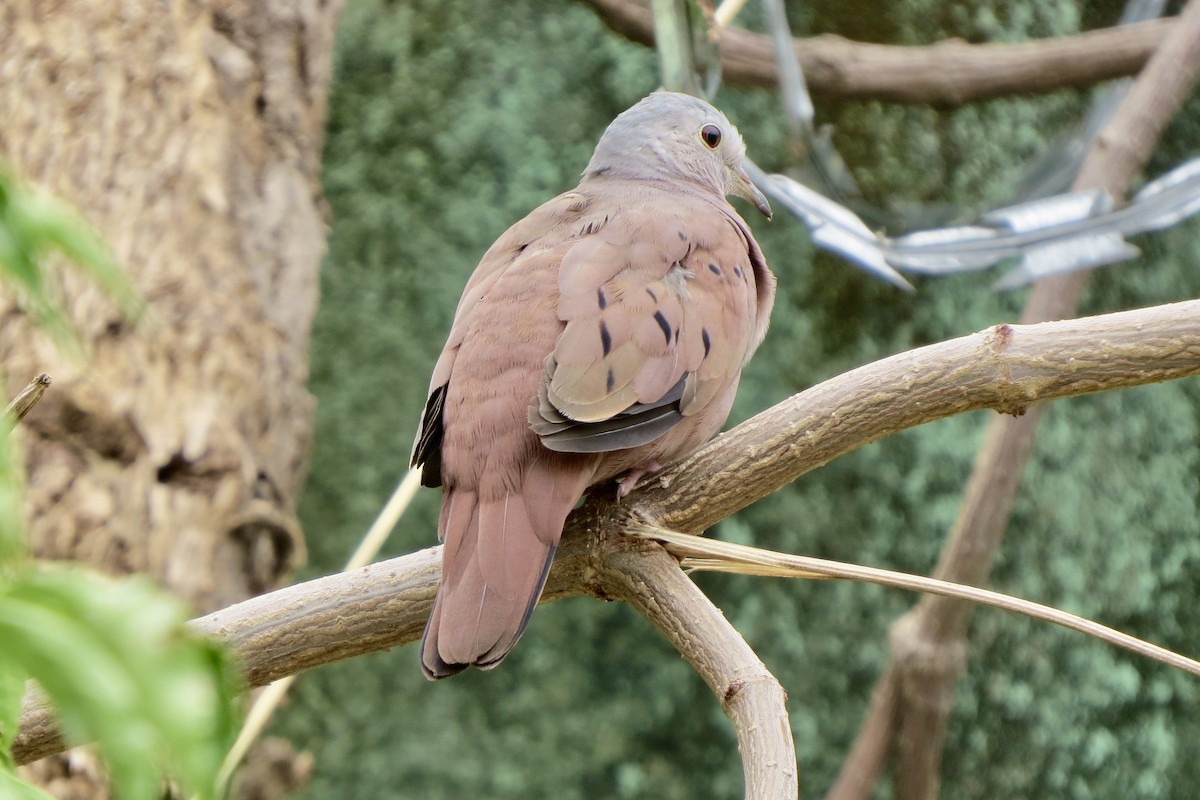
point(51, 224)
point(12, 690)
point(12, 539)
point(13, 788)
point(118, 662)
point(34, 224)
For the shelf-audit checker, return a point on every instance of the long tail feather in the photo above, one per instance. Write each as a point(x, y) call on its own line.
point(496, 558)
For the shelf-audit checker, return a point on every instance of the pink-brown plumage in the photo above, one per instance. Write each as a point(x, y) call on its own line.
point(604, 333)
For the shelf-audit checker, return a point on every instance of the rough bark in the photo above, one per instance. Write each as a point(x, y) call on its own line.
point(189, 135)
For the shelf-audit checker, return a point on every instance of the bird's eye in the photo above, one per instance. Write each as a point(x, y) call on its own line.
point(711, 136)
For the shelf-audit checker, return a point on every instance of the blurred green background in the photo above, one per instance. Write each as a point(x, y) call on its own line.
point(449, 121)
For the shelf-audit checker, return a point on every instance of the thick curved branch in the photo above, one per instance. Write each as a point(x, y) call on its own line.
point(329, 619)
point(651, 581)
point(1004, 367)
point(946, 74)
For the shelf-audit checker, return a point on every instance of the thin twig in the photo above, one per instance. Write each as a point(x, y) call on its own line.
point(23, 402)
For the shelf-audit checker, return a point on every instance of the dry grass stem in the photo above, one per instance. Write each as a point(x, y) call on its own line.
point(713, 555)
point(25, 400)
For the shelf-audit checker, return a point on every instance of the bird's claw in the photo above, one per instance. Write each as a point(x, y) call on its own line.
point(630, 481)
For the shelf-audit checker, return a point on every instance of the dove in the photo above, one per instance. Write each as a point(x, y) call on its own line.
point(602, 336)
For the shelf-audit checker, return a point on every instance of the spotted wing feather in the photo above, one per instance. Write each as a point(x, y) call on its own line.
point(661, 309)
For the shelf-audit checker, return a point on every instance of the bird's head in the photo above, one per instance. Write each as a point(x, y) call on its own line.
point(676, 137)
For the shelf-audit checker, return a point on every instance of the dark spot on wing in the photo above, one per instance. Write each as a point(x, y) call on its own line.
point(650, 292)
point(601, 299)
point(707, 341)
point(662, 323)
point(716, 269)
point(738, 271)
point(605, 339)
point(611, 381)
point(682, 236)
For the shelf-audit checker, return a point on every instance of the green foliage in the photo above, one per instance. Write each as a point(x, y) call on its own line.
point(450, 120)
point(13, 788)
point(115, 658)
point(34, 224)
point(120, 666)
point(11, 532)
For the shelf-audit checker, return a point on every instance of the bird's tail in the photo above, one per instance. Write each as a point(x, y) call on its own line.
point(494, 564)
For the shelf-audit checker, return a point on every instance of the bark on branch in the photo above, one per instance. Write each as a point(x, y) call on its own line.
point(1004, 367)
point(947, 74)
point(651, 581)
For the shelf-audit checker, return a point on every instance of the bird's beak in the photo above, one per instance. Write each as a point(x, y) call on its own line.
point(744, 187)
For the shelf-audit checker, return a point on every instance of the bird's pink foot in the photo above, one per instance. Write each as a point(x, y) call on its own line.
point(630, 481)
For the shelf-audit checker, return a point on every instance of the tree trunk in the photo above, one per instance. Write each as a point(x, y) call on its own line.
point(189, 134)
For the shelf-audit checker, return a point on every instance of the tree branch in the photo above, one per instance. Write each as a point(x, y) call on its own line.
point(651, 581)
point(911, 702)
point(1005, 367)
point(947, 74)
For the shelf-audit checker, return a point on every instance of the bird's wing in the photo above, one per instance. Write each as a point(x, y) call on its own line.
point(541, 226)
point(661, 309)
